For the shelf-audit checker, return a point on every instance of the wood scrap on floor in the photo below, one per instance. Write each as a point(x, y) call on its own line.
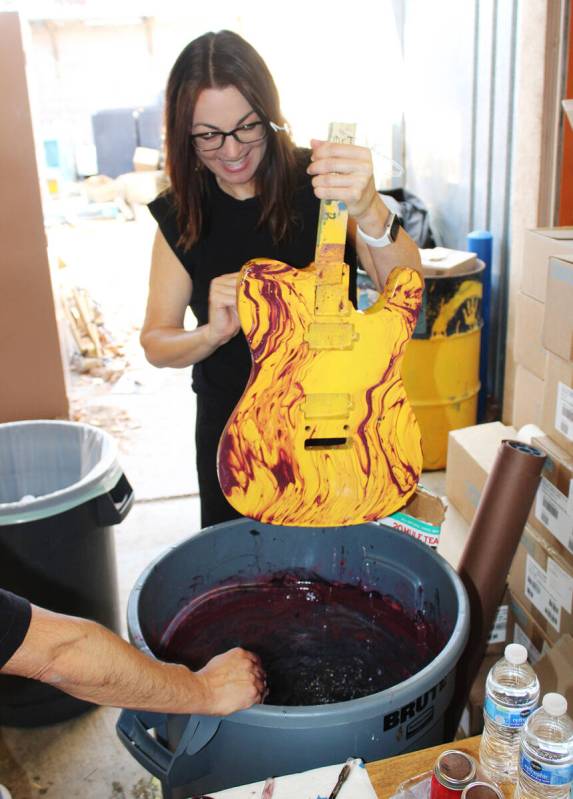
point(95, 351)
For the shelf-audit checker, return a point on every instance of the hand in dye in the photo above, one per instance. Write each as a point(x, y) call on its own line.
point(343, 172)
point(223, 316)
point(232, 681)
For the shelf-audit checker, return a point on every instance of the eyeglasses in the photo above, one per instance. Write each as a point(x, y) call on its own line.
point(247, 133)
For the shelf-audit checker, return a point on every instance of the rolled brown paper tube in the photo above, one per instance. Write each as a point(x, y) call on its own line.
point(492, 540)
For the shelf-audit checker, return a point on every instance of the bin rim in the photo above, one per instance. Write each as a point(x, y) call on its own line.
point(103, 476)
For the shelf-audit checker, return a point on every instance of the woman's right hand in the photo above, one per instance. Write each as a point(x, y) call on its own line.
point(223, 315)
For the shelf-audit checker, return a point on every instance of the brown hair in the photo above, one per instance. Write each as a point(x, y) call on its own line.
point(218, 60)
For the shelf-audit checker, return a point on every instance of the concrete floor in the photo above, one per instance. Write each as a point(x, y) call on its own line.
point(83, 758)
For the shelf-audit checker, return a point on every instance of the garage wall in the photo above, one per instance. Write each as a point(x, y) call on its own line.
point(461, 61)
point(32, 382)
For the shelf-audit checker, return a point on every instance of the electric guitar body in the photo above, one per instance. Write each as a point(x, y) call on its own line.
point(323, 434)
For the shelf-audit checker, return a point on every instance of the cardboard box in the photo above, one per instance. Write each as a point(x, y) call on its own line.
point(421, 517)
point(557, 410)
point(471, 454)
point(558, 324)
point(529, 350)
point(453, 536)
point(527, 632)
point(552, 511)
point(528, 398)
point(145, 159)
point(555, 670)
point(542, 581)
point(539, 245)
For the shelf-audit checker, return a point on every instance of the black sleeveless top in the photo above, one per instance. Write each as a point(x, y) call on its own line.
point(15, 616)
point(230, 237)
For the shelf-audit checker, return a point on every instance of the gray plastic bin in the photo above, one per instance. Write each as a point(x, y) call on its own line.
point(61, 491)
point(194, 755)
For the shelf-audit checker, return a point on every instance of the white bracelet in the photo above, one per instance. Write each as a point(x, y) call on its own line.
point(385, 239)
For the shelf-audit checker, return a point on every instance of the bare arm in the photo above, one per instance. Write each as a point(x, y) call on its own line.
point(380, 261)
point(88, 661)
point(163, 336)
point(344, 172)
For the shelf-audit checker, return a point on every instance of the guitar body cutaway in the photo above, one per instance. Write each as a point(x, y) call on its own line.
point(323, 434)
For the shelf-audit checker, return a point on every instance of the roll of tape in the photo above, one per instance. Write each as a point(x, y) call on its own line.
point(529, 432)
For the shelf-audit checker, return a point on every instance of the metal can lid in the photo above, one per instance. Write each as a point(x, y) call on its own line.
point(482, 790)
point(455, 769)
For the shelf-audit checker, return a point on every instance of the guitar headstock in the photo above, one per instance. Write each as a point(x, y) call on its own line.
point(333, 216)
point(342, 132)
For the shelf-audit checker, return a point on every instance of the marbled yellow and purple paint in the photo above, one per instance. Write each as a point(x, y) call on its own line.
point(323, 434)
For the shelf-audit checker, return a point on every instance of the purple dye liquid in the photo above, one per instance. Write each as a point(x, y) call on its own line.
point(320, 642)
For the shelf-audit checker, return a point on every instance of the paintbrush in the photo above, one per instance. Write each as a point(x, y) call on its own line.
point(342, 777)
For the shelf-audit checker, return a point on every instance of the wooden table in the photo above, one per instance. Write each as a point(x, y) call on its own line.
point(387, 774)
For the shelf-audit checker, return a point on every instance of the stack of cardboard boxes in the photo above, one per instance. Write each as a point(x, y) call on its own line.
point(540, 581)
point(543, 344)
point(541, 576)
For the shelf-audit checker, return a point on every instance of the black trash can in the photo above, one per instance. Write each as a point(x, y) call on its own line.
point(61, 491)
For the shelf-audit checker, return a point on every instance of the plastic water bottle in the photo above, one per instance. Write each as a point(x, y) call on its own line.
point(511, 694)
point(546, 752)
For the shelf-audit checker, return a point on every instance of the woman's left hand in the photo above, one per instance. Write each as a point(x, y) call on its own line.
point(344, 172)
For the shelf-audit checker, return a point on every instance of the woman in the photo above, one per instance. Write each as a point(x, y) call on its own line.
point(240, 189)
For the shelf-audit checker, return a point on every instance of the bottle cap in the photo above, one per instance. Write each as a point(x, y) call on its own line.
point(516, 654)
point(554, 704)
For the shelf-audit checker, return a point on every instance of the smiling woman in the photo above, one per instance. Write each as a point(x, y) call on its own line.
point(239, 189)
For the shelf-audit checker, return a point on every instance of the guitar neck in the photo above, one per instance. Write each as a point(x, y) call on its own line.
point(333, 215)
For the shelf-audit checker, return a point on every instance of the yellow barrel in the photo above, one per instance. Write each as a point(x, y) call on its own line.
point(441, 365)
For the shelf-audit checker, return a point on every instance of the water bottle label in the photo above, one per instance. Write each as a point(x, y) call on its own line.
point(505, 716)
point(545, 773)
